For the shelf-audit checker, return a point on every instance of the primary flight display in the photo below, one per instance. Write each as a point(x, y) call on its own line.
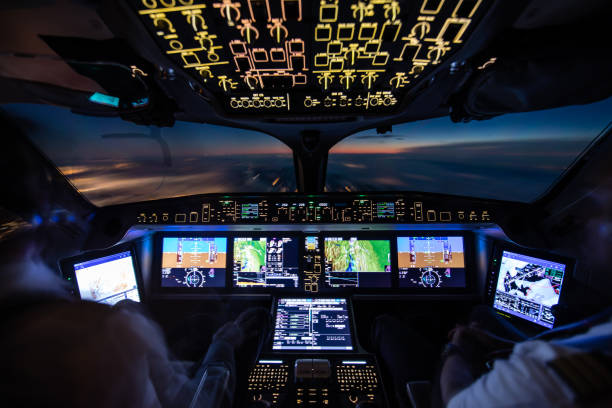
point(431, 262)
point(194, 262)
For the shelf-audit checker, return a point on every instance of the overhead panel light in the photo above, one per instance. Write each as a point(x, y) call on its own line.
point(302, 57)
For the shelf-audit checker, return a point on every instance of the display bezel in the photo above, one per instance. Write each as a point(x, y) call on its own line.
point(494, 270)
point(352, 329)
point(68, 273)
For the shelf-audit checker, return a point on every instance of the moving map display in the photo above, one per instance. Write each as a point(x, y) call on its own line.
point(353, 262)
point(194, 262)
point(107, 279)
point(265, 262)
point(431, 262)
point(528, 287)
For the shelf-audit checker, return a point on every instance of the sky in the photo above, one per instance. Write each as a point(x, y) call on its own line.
point(112, 161)
point(515, 157)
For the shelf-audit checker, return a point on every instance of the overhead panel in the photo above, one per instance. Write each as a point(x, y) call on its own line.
point(300, 56)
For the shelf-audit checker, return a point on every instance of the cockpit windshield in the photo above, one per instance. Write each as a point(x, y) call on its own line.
point(111, 161)
point(515, 157)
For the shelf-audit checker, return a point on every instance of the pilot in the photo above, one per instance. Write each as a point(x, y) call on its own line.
point(491, 363)
point(60, 352)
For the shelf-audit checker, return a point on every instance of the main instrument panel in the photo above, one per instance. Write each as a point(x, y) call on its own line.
point(325, 263)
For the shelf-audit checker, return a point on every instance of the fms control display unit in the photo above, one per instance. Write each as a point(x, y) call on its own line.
point(314, 358)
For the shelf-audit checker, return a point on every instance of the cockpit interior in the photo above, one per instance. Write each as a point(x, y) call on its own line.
point(292, 203)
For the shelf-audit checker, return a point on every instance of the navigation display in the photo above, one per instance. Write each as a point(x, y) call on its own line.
point(431, 262)
point(108, 279)
point(359, 263)
point(194, 262)
point(312, 324)
point(270, 262)
point(528, 287)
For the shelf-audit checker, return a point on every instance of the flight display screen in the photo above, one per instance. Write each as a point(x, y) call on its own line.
point(312, 324)
point(528, 287)
point(268, 262)
point(357, 263)
point(108, 279)
point(194, 262)
point(431, 262)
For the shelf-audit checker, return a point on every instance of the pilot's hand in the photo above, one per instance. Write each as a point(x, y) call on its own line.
point(129, 305)
point(247, 325)
point(477, 342)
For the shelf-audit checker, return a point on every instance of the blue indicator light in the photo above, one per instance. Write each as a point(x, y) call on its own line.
point(103, 99)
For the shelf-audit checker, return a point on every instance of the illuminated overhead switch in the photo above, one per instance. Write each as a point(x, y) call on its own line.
point(323, 32)
point(381, 59)
point(485, 216)
point(180, 218)
point(336, 64)
point(418, 211)
point(328, 13)
point(165, 217)
point(473, 216)
point(431, 215)
point(445, 216)
point(206, 212)
point(193, 216)
point(334, 47)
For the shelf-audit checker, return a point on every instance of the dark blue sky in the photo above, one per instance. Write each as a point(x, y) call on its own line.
point(513, 157)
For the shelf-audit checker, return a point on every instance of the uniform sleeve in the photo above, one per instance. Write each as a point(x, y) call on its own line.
point(524, 379)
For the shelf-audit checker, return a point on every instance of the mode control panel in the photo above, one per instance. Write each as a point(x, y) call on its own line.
point(313, 209)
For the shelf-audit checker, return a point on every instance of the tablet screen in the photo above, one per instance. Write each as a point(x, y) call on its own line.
point(107, 279)
point(528, 287)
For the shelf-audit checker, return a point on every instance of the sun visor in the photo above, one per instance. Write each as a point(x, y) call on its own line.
point(535, 75)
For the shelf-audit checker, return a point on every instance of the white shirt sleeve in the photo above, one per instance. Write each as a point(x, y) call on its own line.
point(523, 380)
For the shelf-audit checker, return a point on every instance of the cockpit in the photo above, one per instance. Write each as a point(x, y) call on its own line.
point(290, 203)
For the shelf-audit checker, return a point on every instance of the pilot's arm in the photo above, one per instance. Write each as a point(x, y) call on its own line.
point(526, 379)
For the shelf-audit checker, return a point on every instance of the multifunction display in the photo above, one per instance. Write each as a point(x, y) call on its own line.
point(353, 262)
point(312, 324)
point(266, 262)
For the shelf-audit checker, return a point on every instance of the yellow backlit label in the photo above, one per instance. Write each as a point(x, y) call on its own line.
point(302, 56)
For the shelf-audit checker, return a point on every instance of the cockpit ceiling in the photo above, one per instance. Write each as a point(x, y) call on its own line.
point(301, 57)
